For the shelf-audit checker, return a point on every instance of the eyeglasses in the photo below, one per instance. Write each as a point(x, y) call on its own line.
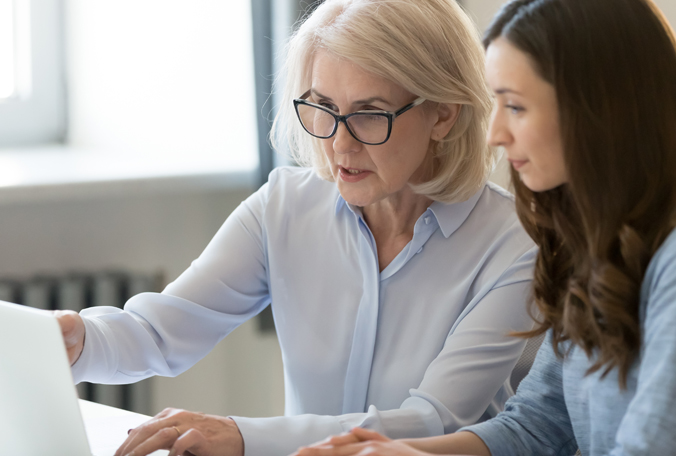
point(368, 127)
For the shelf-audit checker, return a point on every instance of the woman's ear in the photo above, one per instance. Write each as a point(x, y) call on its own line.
point(447, 115)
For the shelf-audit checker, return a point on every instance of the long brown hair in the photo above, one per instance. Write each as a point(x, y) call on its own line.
point(613, 66)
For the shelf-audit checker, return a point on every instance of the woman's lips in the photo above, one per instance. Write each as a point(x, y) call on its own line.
point(352, 175)
point(518, 163)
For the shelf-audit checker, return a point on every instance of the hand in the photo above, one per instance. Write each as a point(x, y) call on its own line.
point(336, 440)
point(356, 435)
point(73, 331)
point(185, 433)
point(359, 442)
point(363, 442)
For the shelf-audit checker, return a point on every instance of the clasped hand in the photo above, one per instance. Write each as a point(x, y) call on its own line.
point(185, 433)
point(359, 442)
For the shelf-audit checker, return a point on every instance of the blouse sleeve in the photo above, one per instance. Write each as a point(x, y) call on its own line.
point(166, 333)
point(535, 420)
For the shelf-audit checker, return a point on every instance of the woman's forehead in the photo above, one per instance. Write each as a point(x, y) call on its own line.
point(334, 76)
point(509, 69)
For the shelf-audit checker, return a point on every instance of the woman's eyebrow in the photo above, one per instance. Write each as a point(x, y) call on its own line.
point(319, 95)
point(367, 101)
point(364, 101)
point(505, 90)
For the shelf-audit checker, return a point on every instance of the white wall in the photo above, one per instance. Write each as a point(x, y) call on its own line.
point(144, 232)
point(668, 7)
point(482, 11)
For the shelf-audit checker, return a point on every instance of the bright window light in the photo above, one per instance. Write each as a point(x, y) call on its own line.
point(7, 47)
point(175, 84)
point(32, 85)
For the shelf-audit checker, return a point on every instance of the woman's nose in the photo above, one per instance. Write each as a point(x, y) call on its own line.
point(498, 134)
point(344, 142)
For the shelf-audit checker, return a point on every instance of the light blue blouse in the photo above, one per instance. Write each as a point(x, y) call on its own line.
point(557, 408)
point(418, 349)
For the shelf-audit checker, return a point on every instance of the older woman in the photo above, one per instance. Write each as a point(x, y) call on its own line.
point(586, 93)
point(394, 270)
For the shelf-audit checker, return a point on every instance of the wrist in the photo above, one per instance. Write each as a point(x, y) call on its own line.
point(239, 444)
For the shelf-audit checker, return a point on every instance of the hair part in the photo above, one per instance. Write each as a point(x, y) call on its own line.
point(598, 232)
point(430, 48)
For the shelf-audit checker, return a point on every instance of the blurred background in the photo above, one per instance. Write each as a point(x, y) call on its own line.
point(129, 130)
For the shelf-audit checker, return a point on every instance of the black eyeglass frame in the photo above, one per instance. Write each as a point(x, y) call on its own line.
point(338, 118)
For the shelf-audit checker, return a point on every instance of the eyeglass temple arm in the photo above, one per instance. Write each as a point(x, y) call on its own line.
point(416, 102)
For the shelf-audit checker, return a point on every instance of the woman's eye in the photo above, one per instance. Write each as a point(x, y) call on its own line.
point(328, 106)
point(514, 109)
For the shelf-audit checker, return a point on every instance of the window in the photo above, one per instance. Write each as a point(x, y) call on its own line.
point(173, 80)
point(32, 90)
point(7, 54)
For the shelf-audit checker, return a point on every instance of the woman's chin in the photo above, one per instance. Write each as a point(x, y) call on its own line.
point(355, 198)
point(359, 202)
point(538, 185)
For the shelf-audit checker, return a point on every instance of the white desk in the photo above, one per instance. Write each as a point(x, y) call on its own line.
point(107, 427)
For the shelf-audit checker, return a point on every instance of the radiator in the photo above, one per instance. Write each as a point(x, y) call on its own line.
point(77, 290)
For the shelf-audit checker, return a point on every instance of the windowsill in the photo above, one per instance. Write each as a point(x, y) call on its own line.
point(65, 173)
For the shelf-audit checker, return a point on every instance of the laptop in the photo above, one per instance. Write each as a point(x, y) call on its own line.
point(39, 409)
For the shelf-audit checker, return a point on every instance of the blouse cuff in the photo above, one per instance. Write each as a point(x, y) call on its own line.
point(281, 436)
point(96, 334)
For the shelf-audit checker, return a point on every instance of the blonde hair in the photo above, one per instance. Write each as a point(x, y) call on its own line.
point(430, 48)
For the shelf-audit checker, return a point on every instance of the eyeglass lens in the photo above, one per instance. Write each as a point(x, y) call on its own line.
point(366, 128)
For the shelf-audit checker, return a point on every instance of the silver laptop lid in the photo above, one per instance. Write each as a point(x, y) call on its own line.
point(39, 412)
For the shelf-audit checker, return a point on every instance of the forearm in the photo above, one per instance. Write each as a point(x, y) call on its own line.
point(281, 436)
point(156, 334)
point(465, 443)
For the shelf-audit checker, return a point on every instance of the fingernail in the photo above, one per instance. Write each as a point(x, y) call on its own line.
point(129, 431)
